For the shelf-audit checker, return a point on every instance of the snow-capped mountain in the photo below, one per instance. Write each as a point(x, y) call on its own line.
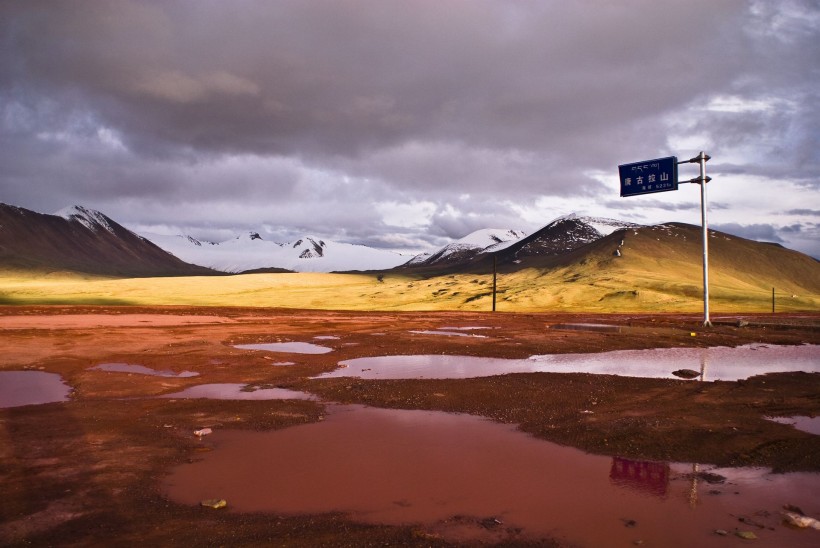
point(481, 241)
point(561, 235)
point(250, 251)
point(565, 234)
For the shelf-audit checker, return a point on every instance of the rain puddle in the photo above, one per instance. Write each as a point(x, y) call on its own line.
point(717, 363)
point(327, 338)
point(467, 328)
point(18, 388)
point(448, 333)
point(238, 391)
point(602, 327)
point(472, 480)
point(292, 347)
point(140, 370)
point(806, 424)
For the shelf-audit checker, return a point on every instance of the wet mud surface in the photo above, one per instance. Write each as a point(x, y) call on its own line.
point(92, 470)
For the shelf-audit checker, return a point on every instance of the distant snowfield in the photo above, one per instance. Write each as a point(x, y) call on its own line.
point(251, 252)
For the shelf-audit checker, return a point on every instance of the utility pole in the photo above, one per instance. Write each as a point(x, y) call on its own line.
point(495, 275)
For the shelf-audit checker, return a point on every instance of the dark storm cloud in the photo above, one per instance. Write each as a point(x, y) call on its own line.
point(805, 236)
point(309, 112)
point(344, 78)
point(626, 205)
point(760, 232)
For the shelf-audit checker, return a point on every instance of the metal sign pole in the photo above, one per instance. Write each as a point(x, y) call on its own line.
point(661, 175)
point(702, 159)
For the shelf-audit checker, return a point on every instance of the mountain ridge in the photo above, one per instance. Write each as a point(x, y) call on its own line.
point(572, 253)
point(82, 240)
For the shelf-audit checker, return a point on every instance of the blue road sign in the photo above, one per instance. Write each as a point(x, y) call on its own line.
point(659, 175)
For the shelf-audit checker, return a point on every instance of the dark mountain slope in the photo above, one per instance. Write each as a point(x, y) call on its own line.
point(86, 241)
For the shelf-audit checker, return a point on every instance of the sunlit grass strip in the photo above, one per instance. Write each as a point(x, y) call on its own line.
point(529, 290)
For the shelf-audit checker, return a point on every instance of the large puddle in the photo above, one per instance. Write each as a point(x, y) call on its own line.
point(18, 388)
point(291, 347)
point(806, 424)
point(717, 363)
point(238, 391)
point(118, 367)
point(446, 333)
point(469, 479)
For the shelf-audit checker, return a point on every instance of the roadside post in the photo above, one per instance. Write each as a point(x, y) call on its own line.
point(495, 277)
point(661, 175)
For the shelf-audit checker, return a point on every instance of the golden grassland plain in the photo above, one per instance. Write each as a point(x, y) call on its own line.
point(632, 286)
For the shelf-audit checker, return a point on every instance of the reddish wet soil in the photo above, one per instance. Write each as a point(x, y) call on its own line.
point(90, 471)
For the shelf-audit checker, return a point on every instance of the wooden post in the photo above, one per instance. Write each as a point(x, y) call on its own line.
point(772, 300)
point(495, 275)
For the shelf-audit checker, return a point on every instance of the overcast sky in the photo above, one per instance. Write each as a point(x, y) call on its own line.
point(406, 124)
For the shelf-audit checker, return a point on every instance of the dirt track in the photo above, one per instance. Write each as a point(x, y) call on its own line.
point(87, 471)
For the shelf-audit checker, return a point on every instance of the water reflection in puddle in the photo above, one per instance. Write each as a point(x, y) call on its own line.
point(292, 347)
point(424, 467)
point(806, 424)
point(238, 391)
point(717, 363)
point(18, 388)
point(140, 370)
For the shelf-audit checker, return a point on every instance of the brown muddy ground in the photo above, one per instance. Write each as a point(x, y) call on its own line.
point(88, 471)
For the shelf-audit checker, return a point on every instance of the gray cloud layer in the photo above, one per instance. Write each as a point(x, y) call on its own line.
point(206, 114)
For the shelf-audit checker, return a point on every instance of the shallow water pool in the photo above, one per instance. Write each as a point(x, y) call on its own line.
point(238, 391)
point(140, 370)
point(291, 347)
point(806, 424)
point(717, 363)
point(18, 388)
point(470, 479)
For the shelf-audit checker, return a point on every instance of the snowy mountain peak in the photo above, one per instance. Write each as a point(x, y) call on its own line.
point(480, 241)
point(91, 219)
point(490, 236)
point(567, 217)
point(602, 225)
